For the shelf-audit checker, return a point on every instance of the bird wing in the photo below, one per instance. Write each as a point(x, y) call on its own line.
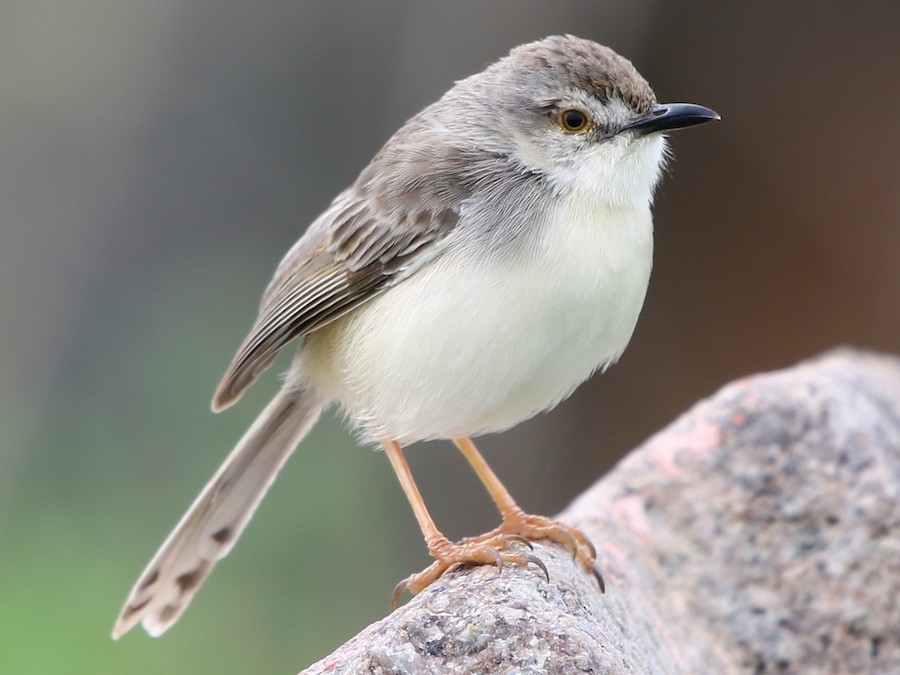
point(353, 251)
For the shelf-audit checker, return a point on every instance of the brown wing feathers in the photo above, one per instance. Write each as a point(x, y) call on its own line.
point(359, 256)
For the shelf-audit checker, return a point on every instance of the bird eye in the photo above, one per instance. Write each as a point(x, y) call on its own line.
point(573, 120)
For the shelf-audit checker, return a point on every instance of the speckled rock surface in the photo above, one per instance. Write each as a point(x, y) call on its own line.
point(759, 533)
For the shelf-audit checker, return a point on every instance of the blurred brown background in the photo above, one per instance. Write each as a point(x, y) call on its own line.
point(157, 159)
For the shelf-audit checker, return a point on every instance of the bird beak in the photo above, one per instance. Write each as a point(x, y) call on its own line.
point(671, 116)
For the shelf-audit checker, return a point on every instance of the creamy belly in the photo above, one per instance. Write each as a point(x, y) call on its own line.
point(470, 345)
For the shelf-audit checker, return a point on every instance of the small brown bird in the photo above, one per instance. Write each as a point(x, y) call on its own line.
point(492, 256)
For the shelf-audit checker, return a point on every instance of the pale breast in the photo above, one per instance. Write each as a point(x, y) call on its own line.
point(471, 344)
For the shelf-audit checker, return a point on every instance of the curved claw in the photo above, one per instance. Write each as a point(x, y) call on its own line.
point(570, 543)
point(540, 563)
point(599, 577)
point(518, 538)
point(398, 592)
point(498, 561)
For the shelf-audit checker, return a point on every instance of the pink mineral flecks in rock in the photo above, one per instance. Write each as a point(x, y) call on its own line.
point(698, 438)
point(630, 511)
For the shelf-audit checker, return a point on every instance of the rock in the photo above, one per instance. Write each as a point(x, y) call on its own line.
point(758, 533)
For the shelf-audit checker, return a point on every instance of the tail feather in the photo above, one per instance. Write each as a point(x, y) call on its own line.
point(217, 517)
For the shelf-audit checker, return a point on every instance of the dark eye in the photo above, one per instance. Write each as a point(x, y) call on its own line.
point(573, 120)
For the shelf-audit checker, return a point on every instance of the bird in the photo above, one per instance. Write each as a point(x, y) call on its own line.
point(493, 255)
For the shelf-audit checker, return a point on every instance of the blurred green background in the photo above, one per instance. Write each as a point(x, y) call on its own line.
point(157, 159)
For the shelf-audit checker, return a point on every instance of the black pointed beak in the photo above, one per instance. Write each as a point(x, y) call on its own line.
point(671, 116)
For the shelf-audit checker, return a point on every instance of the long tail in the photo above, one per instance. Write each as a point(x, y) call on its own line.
point(217, 517)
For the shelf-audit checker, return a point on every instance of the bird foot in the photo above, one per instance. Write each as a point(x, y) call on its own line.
point(532, 527)
point(495, 548)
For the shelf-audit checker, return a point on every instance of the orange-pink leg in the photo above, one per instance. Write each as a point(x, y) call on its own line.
point(517, 522)
point(485, 551)
point(492, 548)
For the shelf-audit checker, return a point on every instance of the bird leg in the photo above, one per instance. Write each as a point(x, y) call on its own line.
point(492, 548)
point(514, 521)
